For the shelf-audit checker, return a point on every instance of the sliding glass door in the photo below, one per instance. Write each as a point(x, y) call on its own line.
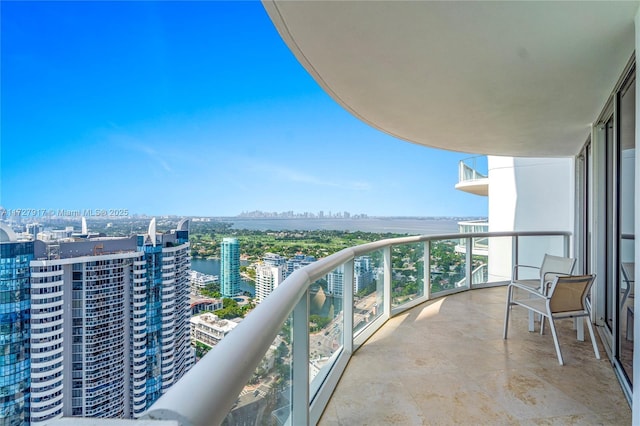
point(625, 235)
point(617, 249)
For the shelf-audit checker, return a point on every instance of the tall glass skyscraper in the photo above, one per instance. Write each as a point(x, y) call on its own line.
point(121, 340)
point(15, 305)
point(230, 267)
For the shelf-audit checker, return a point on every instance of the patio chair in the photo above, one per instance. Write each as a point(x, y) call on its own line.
point(551, 267)
point(566, 298)
point(628, 274)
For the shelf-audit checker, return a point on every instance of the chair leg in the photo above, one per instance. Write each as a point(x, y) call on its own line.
point(531, 321)
point(580, 329)
point(593, 337)
point(552, 326)
point(507, 311)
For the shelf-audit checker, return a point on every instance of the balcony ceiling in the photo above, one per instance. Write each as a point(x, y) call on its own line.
point(500, 78)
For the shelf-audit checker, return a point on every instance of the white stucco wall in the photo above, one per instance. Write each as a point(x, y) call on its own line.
point(528, 194)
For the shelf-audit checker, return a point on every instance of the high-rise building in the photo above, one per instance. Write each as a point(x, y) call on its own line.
point(362, 276)
point(296, 262)
point(362, 273)
point(15, 308)
point(335, 282)
point(34, 229)
point(108, 331)
point(230, 267)
point(90, 350)
point(268, 278)
point(166, 353)
point(272, 259)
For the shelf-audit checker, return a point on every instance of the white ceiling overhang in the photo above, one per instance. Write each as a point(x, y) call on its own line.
point(502, 78)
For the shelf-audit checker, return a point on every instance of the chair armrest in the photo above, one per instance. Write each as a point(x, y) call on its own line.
point(554, 275)
point(516, 267)
point(549, 277)
point(533, 291)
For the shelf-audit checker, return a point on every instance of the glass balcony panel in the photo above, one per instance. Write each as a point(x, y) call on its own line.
point(266, 399)
point(368, 286)
point(407, 274)
point(498, 260)
point(531, 251)
point(326, 325)
point(448, 266)
point(470, 168)
point(479, 269)
point(500, 269)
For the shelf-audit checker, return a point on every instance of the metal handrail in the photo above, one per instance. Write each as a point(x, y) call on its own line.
point(206, 394)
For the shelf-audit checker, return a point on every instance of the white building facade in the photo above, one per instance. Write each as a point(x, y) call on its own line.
point(208, 329)
point(268, 278)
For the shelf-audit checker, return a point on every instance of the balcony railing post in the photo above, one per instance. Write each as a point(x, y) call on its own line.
point(468, 260)
point(388, 268)
point(514, 253)
point(300, 360)
point(427, 269)
point(347, 304)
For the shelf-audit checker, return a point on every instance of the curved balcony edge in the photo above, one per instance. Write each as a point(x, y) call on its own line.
point(230, 366)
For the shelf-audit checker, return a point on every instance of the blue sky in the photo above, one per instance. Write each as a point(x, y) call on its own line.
point(191, 108)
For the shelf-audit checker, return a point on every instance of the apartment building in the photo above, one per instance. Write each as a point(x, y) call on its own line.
point(98, 327)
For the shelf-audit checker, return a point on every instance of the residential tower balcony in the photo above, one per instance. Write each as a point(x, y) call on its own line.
point(419, 348)
point(470, 179)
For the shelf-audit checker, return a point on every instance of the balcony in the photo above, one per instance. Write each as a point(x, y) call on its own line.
point(470, 179)
point(445, 362)
point(422, 339)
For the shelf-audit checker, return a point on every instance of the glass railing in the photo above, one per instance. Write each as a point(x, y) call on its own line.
point(480, 245)
point(468, 169)
point(267, 395)
point(283, 361)
point(407, 275)
point(368, 287)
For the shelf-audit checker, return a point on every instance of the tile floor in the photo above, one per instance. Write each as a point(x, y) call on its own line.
point(445, 363)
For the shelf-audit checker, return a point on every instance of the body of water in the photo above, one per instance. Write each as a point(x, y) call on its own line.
point(413, 226)
point(212, 267)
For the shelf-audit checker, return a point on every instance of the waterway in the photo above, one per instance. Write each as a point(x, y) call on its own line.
point(400, 225)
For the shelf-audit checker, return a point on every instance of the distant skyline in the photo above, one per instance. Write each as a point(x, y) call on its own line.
point(192, 109)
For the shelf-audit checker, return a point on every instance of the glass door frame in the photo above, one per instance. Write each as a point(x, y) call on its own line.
point(602, 249)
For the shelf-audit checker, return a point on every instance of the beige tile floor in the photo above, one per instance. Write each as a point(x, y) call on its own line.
point(445, 363)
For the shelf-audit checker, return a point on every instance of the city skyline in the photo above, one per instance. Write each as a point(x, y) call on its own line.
point(201, 100)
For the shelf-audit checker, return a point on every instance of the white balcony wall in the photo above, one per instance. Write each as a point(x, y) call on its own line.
point(527, 194)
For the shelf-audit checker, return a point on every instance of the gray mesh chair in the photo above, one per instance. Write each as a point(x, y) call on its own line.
point(565, 298)
point(552, 266)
